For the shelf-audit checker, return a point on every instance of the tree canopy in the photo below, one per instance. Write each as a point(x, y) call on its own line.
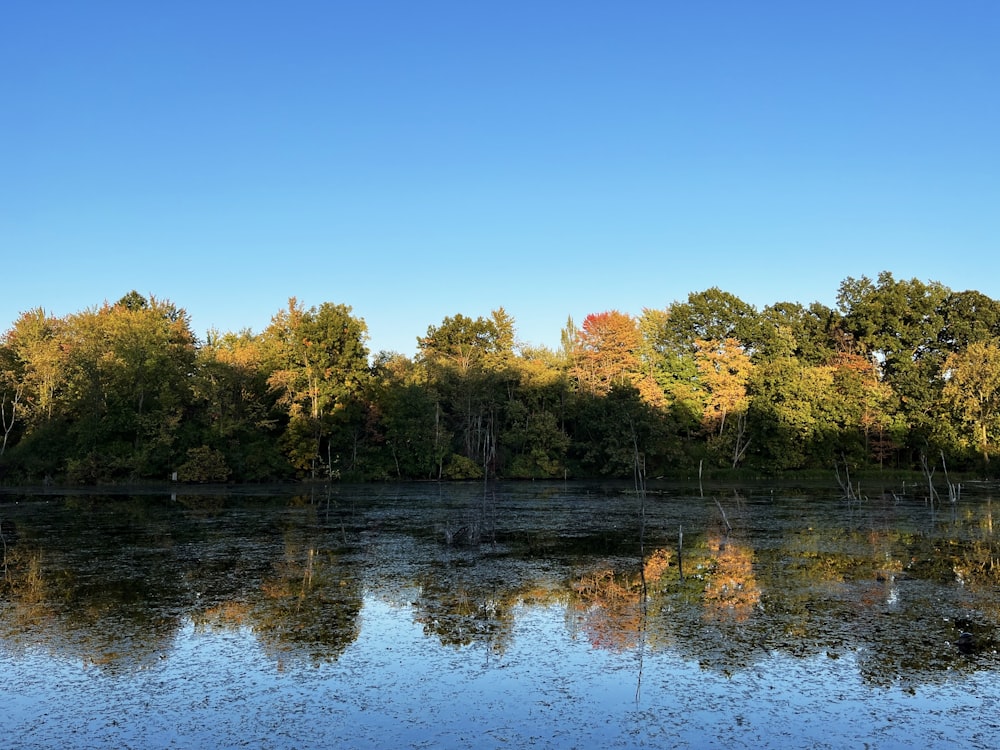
point(899, 370)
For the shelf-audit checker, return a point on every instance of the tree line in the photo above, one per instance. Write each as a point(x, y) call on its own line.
point(899, 374)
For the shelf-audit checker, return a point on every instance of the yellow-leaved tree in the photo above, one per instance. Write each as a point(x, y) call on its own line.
point(724, 369)
point(972, 389)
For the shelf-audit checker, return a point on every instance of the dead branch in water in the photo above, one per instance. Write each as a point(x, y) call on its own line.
point(845, 482)
point(725, 520)
point(954, 490)
point(932, 493)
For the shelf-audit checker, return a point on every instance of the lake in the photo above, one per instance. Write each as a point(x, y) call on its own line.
point(536, 615)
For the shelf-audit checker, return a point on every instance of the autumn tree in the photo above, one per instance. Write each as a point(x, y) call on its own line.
point(972, 389)
point(36, 362)
point(863, 403)
point(724, 369)
point(608, 354)
point(671, 337)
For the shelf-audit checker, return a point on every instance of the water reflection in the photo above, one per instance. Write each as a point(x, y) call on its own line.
point(110, 581)
point(731, 590)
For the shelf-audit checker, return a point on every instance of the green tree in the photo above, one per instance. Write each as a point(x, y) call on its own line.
point(711, 315)
point(534, 437)
point(787, 329)
point(968, 317)
point(128, 388)
point(788, 402)
point(320, 368)
point(674, 369)
point(617, 434)
point(411, 419)
point(462, 344)
point(899, 325)
point(204, 464)
point(236, 408)
point(470, 369)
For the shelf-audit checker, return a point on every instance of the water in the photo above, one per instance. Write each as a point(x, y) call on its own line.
point(500, 617)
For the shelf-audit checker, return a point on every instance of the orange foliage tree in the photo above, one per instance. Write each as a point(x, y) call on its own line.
point(607, 353)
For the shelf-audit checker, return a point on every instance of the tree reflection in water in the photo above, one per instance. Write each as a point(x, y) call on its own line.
point(605, 606)
point(896, 584)
point(731, 590)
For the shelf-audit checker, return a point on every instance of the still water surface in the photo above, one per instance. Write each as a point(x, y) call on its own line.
point(508, 616)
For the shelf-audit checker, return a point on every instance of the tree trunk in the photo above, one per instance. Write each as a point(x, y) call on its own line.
point(8, 426)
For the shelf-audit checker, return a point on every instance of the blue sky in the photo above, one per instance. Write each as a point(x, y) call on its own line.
point(415, 160)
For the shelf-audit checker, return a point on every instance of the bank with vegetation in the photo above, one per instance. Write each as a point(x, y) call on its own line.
point(902, 374)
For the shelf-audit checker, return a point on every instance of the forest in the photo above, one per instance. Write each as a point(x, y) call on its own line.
point(902, 374)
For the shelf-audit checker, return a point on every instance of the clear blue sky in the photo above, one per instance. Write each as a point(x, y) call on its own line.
point(416, 160)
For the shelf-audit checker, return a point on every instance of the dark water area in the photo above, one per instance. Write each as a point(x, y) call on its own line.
point(500, 616)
